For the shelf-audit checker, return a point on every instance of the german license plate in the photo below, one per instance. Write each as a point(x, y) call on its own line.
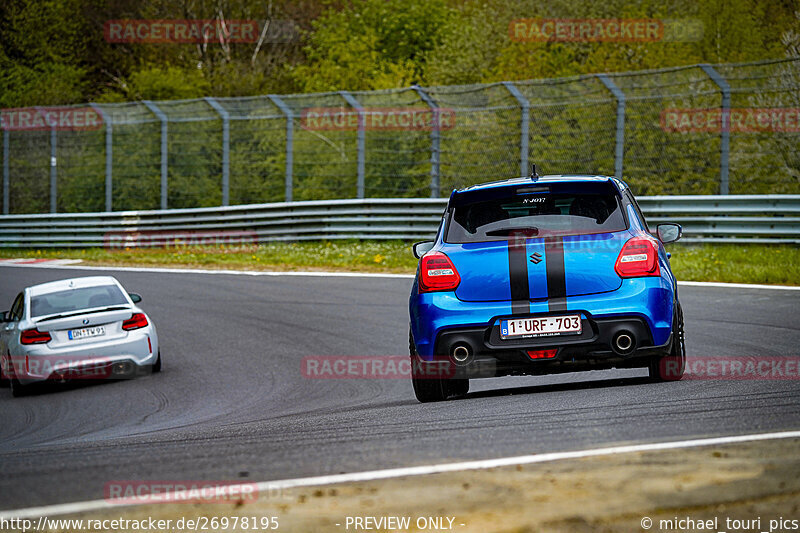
point(75, 334)
point(545, 326)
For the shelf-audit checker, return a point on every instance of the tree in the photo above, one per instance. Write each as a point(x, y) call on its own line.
point(42, 52)
point(372, 44)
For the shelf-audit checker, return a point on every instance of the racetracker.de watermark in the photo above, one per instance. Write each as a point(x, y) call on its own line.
point(198, 31)
point(374, 367)
point(736, 120)
point(122, 240)
point(70, 367)
point(60, 118)
point(127, 492)
point(592, 30)
point(180, 31)
point(377, 118)
point(737, 368)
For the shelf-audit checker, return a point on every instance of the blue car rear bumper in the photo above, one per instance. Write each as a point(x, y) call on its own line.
point(645, 304)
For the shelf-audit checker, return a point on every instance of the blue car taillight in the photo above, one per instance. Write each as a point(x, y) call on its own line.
point(639, 257)
point(437, 273)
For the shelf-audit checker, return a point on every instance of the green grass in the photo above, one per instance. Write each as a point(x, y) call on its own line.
point(737, 263)
point(770, 264)
point(369, 256)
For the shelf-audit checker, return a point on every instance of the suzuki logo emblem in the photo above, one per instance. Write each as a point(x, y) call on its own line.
point(536, 258)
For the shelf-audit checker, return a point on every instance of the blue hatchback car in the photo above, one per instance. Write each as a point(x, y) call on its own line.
point(542, 275)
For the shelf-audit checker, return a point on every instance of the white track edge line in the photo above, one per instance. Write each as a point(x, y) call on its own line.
point(738, 285)
point(213, 271)
point(266, 486)
point(334, 274)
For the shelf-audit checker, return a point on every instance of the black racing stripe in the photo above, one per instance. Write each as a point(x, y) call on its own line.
point(518, 276)
point(556, 277)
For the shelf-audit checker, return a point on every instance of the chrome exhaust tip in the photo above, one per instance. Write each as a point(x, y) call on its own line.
point(461, 354)
point(623, 343)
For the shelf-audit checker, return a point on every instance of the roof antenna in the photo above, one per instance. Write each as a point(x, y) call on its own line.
point(534, 175)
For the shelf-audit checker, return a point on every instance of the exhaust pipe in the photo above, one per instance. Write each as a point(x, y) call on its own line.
point(623, 343)
point(461, 354)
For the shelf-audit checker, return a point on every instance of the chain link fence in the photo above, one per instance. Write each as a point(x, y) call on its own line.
point(700, 129)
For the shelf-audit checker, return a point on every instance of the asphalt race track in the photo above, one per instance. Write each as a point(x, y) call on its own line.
point(232, 404)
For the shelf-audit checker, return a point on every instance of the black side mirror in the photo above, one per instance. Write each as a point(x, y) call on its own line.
point(135, 298)
point(421, 248)
point(668, 233)
point(4, 317)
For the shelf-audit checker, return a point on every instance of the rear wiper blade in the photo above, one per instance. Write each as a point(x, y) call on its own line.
point(506, 231)
point(78, 313)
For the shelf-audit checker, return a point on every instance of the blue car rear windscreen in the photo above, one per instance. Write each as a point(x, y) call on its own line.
point(535, 215)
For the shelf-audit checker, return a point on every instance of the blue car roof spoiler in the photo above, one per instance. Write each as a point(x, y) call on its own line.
point(511, 188)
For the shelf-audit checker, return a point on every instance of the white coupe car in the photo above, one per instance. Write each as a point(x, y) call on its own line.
point(80, 328)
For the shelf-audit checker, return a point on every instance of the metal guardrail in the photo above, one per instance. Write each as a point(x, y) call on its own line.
point(771, 218)
point(732, 218)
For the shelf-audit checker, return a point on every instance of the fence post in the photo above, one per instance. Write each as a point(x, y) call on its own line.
point(289, 143)
point(435, 139)
point(53, 161)
point(6, 187)
point(361, 141)
point(109, 154)
point(524, 128)
point(164, 155)
point(725, 140)
point(619, 152)
point(226, 147)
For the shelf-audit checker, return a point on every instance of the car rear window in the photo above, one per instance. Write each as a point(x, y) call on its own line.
point(76, 300)
point(535, 215)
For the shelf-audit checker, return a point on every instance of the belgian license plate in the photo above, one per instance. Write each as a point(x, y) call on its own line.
point(75, 334)
point(545, 326)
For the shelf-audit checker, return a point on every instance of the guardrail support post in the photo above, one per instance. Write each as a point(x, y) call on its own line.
point(53, 170)
point(289, 143)
point(361, 141)
point(164, 153)
point(619, 151)
point(53, 161)
point(6, 188)
point(725, 140)
point(226, 147)
point(435, 140)
point(109, 155)
point(524, 128)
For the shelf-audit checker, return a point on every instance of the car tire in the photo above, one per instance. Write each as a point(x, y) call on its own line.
point(17, 389)
point(458, 387)
point(4, 382)
point(425, 389)
point(155, 368)
point(672, 367)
